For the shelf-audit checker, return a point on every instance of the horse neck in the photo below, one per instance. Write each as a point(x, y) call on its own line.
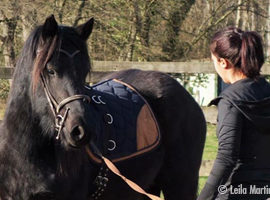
point(18, 120)
point(23, 153)
point(20, 125)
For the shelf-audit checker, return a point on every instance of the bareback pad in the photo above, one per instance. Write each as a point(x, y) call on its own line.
point(125, 125)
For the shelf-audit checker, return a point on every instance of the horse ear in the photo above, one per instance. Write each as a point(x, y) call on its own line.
point(49, 28)
point(85, 29)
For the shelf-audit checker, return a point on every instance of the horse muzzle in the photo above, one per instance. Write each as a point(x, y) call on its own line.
point(71, 123)
point(78, 136)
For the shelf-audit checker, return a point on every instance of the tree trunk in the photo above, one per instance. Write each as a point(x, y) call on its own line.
point(132, 44)
point(255, 14)
point(25, 29)
point(8, 38)
point(61, 11)
point(177, 14)
point(136, 26)
point(245, 18)
point(135, 29)
point(238, 14)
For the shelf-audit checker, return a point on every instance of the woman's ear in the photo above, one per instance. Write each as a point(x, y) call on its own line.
point(224, 63)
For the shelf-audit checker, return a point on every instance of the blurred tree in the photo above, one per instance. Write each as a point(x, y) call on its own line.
point(175, 12)
point(9, 14)
point(137, 30)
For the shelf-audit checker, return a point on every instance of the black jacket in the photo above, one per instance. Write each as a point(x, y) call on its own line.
point(243, 132)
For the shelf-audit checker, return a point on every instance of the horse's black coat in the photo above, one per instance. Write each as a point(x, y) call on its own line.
point(33, 165)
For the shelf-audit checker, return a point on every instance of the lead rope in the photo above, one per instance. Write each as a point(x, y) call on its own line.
point(114, 169)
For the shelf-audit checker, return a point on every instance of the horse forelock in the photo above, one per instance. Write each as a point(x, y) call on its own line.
point(44, 52)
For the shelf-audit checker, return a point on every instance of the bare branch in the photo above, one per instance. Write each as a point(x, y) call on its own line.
point(213, 24)
point(62, 11)
point(255, 12)
point(79, 14)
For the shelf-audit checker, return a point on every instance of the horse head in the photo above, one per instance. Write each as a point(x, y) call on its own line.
point(61, 64)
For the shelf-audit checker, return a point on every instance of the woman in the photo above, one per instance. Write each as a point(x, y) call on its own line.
point(242, 166)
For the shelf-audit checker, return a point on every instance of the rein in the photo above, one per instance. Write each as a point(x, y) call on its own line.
point(57, 107)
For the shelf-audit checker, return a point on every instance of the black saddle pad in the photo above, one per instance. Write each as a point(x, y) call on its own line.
point(125, 125)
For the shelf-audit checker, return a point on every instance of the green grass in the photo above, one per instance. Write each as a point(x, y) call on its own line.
point(211, 143)
point(210, 150)
point(2, 110)
point(202, 182)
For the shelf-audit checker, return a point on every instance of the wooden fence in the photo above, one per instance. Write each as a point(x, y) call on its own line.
point(100, 68)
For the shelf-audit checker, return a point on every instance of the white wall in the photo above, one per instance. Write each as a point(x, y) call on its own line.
point(204, 94)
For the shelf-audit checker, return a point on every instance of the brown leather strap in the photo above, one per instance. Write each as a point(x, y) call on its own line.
point(70, 99)
point(131, 184)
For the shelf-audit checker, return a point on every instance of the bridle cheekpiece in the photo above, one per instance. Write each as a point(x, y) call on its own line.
point(57, 107)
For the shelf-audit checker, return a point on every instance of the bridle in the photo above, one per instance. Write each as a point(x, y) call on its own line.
point(57, 107)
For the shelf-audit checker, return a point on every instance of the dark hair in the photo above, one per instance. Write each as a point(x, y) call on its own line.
point(43, 54)
point(243, 49)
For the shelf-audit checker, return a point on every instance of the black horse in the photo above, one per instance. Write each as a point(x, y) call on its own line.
point(46, 127)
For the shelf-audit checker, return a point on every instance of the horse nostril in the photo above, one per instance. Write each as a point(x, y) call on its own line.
point(77, 133)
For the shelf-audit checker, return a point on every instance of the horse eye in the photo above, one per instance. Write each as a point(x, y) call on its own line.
point(50, 70)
